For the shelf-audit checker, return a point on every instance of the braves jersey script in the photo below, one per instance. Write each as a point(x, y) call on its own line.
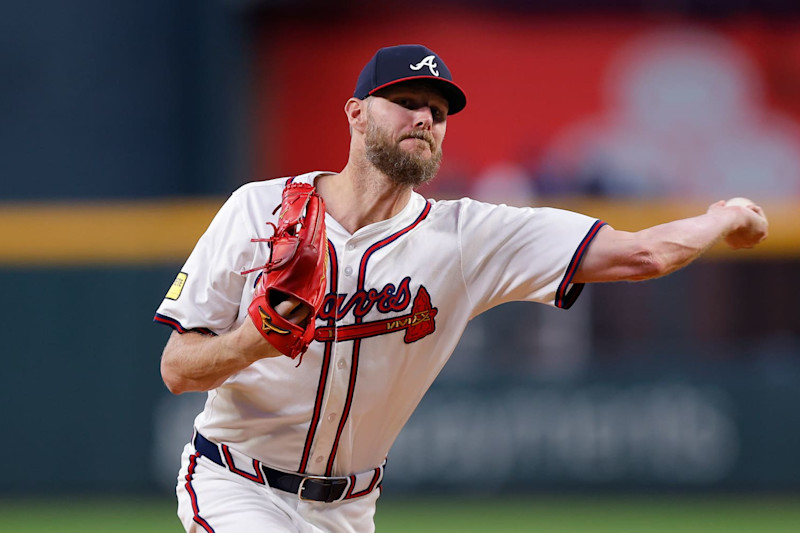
point(400, 293)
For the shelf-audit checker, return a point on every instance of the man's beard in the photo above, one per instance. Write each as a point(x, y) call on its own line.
point(401, 166)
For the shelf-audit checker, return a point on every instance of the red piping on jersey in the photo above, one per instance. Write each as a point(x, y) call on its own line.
point(323, 378)
point(347, 405)
point(388, 240)
point(362, 271)
point(565, 299)
point(258, 477)
point(375, 477)
point(177, 326)
point(193, 495)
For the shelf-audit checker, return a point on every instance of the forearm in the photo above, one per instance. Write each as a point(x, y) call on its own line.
point(676, 244)
point(196, 362)
point(657, 251)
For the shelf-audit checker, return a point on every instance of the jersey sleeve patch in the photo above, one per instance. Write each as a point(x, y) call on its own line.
point(177, 286)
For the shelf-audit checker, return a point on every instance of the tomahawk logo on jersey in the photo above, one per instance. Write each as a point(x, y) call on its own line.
point(417, 323)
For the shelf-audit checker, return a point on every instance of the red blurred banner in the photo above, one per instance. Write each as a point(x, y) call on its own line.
point(555, 92)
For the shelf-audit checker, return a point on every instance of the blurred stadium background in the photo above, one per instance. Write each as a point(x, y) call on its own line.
point(664, 406)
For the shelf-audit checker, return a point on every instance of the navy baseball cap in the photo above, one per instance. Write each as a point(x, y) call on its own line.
point(407, 62)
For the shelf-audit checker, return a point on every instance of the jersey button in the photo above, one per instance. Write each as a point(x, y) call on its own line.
point(351, 246)
point(331, 417)
point(319, 459)
point(340, 364)
point(348, 270)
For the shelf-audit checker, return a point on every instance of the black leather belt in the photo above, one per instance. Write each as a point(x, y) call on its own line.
point(320, 489)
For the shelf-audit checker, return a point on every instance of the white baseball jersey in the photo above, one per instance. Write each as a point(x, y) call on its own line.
point(401, 292)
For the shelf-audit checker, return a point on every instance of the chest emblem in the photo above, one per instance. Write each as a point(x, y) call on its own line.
point(419, 322)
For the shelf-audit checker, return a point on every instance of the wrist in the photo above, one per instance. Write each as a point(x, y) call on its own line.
point(248, 345)
point(238, 345)
point(727, 219)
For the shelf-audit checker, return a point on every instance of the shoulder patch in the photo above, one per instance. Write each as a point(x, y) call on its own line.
point(177, 286)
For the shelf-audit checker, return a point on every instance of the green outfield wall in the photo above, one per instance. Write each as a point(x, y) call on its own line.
point(84, 409)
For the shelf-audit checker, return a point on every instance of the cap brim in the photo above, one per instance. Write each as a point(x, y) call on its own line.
point(456, 99)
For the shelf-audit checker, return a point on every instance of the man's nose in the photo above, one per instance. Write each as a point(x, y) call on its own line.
point(424, 118)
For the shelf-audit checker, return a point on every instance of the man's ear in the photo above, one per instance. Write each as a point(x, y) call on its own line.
point(356, 111)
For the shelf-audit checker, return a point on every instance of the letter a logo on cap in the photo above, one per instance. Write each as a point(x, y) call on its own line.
point(430, 62)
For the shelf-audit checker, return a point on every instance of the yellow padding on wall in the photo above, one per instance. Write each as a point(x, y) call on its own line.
point(107, 232)
point(143, 232)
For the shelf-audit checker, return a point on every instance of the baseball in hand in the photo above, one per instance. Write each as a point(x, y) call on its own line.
point(751, 229)
point(744, 202)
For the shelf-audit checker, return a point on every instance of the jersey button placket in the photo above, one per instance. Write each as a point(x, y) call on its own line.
point(339, 381)
point(348, 270)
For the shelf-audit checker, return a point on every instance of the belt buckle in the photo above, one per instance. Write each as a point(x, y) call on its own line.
point(302, 486)
point(330, 482)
